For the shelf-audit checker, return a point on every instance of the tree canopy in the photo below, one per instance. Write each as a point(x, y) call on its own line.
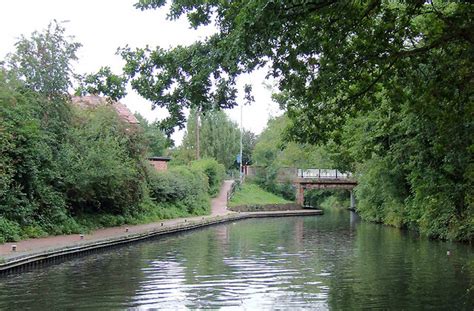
point(330, 55)
point(387, 84)
point(154, 137)
point(44, 61)
point(219, 138)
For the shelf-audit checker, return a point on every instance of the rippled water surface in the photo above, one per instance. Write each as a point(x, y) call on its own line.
point(322, 262)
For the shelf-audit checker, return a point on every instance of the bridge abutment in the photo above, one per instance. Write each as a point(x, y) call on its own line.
point(300, 195)
point(353, 201)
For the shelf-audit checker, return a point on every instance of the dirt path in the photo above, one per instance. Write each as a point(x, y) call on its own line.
point(32, 246)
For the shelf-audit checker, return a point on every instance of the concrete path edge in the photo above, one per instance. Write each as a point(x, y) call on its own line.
point(23, 261)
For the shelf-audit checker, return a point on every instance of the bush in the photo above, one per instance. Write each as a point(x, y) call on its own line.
point(180, 187)
point(9, 230)
point(214, 171)
point(30, 174)
point(380, 197)
point(103, 170)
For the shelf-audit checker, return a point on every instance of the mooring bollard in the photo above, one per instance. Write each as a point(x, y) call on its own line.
point(13, 248)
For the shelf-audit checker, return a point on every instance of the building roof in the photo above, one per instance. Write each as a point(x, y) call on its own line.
point(92, 101)
point(166, 159)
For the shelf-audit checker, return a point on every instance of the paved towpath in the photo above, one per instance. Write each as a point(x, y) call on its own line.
point(33, 246)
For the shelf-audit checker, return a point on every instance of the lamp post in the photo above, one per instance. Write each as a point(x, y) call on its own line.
point(241, 130)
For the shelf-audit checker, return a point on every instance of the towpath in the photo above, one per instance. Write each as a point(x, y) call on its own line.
point(41, 245)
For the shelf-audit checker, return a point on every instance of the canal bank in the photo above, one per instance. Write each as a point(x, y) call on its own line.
point(18, 259)
point(335, 262)
point(27, 253)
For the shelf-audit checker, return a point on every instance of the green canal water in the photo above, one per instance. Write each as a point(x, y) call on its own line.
point(333, 262)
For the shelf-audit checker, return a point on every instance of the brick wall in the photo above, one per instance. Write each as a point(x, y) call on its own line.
point(159, 165)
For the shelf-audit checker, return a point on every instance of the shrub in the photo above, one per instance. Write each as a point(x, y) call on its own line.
point(103, 170)
point(180, 187)
point(29, 172)
point(214, 171)
point(9, 230)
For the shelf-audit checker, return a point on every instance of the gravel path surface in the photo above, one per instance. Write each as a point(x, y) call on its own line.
point(32, 246)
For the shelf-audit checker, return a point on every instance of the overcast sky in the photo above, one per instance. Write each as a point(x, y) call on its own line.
point(104, 25)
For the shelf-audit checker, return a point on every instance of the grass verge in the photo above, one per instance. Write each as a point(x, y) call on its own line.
point(252, 194)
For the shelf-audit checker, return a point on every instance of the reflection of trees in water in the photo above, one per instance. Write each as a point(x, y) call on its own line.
point(388, 266)
point(94, 280)
point(328, 261)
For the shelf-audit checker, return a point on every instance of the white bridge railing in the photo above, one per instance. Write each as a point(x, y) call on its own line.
point(322, 173)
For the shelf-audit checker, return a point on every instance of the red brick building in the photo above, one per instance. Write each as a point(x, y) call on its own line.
point(159, 163)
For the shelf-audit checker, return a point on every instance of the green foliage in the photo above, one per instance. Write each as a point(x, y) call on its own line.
point(9, 230)
point(103, 82)
point(249, 140)
point(155, 138)
point(219, 138)
point(29, 173)
point(337, 200)
point(252, 194)
point(380, 197)
point(67, 170)
point(387, 83)
point(102, 161)
point(43, 61)
point(182, 188)
point(273, 153)
point(272, 149)
point(214, 172)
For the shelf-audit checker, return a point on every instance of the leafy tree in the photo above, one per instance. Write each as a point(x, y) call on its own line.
point(219, 137)
point(273, 153)
point(104, 82)
point(181, 188)
point(44, 63)
point(272, 149)
point(249, 139)
point(30, 177)
point(102, 160)
point(394, 74)
point(214, 172)
point(155, 138)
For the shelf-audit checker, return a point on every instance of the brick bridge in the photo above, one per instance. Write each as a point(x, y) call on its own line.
point(323, 179)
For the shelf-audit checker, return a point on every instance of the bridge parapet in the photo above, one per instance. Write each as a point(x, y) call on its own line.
point(322, 179)
point(322, 173)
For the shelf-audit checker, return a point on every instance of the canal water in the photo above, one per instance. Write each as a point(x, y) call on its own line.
point(334, 262)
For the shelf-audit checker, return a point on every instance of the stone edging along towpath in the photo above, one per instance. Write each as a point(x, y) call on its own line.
point(16, 261)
